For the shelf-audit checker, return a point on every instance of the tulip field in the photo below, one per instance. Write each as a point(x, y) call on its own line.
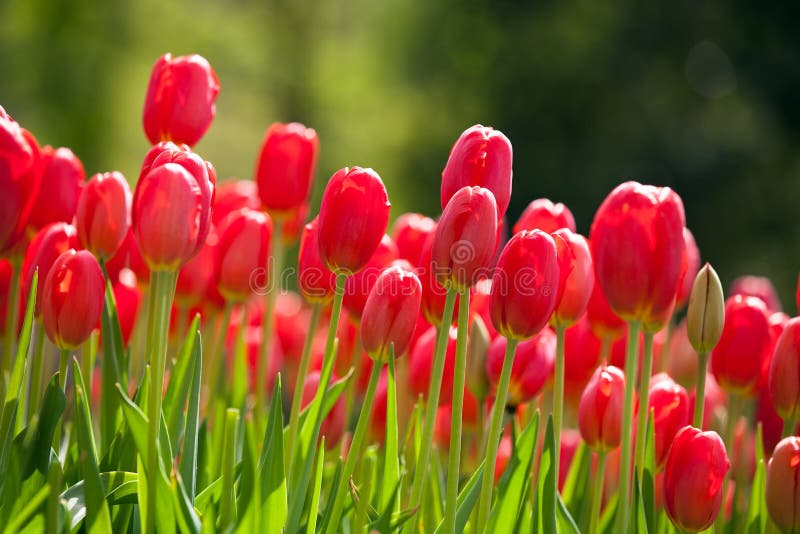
point(170, 365)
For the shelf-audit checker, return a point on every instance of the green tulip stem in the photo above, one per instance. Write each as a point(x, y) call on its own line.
point(644, 397)
point(789, 426)
point(12, 313)
point(631, 360)
point(37, 371)
point(597, 492)
point(700, 396)
point(558, 397)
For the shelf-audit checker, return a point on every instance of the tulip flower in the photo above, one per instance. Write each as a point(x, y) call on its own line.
point(693, 478)
point(61, 183)
point(197, 280)
point(757, 286)
point(233, 195)
point(315, 281)
point(243, 249)
point(736, 360)
point(691, 259)
point(128, 298)
point(179, 105)
point(47, 245)
point(542, 214)
point(669, 404)
point(783, 488)
point(335, 423)
point(128, 256)
point(353, 217)
point(20, 180)
point(104, 214)
point(390, 313)
point(410, 232)
point(285, 167)
point(784, 375)
point(576, 280)
point(357, 287)
point(291, 228)
point(605, 324)
point(525, 285)
point(434, 296)
point(72, 299)
point(600, 410)
point(532, 367)
point(581, 358)
point(480, 157)
point(420, 365)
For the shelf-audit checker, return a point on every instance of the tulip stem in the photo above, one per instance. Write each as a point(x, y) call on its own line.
point(302, 371)
point(459, 378)
point(217, 366)
point(63, 363)
point(274, 275)
point(162, 290)
point(391, 472)
point(597, 492)
point(644, 397)
point(734, 409)
point(789, 426)
point(495, 430)
point(558, 398)
point(631, 360)
point(432, 404)
point(355, 448)
point(12, 312)
point(700, 391)
point(37, 371)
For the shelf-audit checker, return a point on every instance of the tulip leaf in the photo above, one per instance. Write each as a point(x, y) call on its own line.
point(391, 465)
point(120, 486)
point(113, 366)
point(546, 512)
point(188, 462)
point(317, 488)
point(52, 406)
point(757, 515)
point(180, 382)
point(466, 499)
point(648, 475)
point(272, 477)
point(31, 506)
point(577, 485)
point(566, 524)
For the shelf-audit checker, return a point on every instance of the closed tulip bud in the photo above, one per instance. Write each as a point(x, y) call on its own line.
point(291, 228)
point(128, 298)
point(784, 373)
point(197, 280)
point(604, 322)
point(581, 357)
point(409, 232)
point(691, 260)
point(525, 285)
point(693, 476)
point(420, 365)
point(104, 214)
point(20, 180)
point(233, 195)
point(179, 105)
point(669, 404)
point(47, 245)
point(576, 277)
point(705, 315)
point(315, 281)
point(533, 365)
point(737, 359)
point(285, 167)
point(783, 486)
point(481, 157)
point(61, 183)
point(353, 217)
point(390, 313)
point(433, 294)
point(637, 247)
point(477, 353)
point(244, 246)
point(757, 286)
point(72, 299)
point(601, 407)
point(542, 214)
point(357, 287)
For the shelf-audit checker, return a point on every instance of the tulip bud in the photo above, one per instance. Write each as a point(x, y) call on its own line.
point(480, 157)
point(525, 285)
point(705, 315)
point(243, 249)
point(72, 299)
point(104, 214)
point(691, 260)
point(693, 477)
point(542, 214)
point(669, 404)
point(390, 313)
point(353, 217)
point(197, 280)
point(533, 365)
point(233, 195)
point(420, 365)
point(47, 245)
point(477, 353)
point(757, 286)
point(783, 488)
point(601, 407)
point(604, 322)
point(409, 232)
point(62, 180)
point(637, 248)
point(179, 105)
point(576, 277)
point(784, 373)
point(291, 228)
point(433, 294)
point(315, 281)
point(358, 286)
point(581, 357)
point(128, 298)
point(20, 180)
point(285, 167)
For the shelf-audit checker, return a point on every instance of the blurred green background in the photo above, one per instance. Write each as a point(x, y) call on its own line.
point(699, 96)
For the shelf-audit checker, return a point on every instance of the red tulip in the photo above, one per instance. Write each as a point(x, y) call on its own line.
point(358, 286)
point(291, 320)
point(61, 183)
point(104, 214)
point(637, 248)
point(315, 281)
point(737, 359)
point(784, 372)
point(480, 157)
point(465, 238)
point(691, 259)
point(604, 322)
point(695, 470)
point(128, 298)
point(285, 167)
point(333, 426)
point(533, 366)
point(409, 232)
point(783, 485)
point(47, 245)
point(542, 214)
point(757, 286)
point(20, 180)
point(128, 255)
point(669, 404)
point(433, 294)
point(682, 361)
point(420, 365)
point(352, 219)
point(291, 228)
point(5, 287)
point(390, 313)
point(444, 414)
point(525, 285)
point(244, 247)
point(179, 105)
point(197, 280)
point(233, 195)
point(72, 299)
point(576, 277)
point(581, 358)
point(601, 407)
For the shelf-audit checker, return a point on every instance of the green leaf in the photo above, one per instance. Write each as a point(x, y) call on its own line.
point(186, 515)
point(639, 518)
point(391, 464)
point(317, 489)
point(188, 463)
point(31, 507)
point(466, 499)
point(227, 506)
point(566, 524)
point(546, 505)
point(757, 515)
point(273, 479)
point(180, 382)
point(120, 486)
point(53, 404)
point(648, 486)
point(514, 483)
point(113, 367)
point(577, 485)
